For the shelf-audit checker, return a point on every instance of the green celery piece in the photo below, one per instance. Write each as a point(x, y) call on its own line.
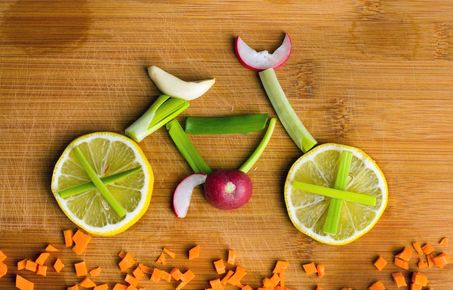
point(240, 124)
point(334, 211)
point(336, 193)
point(105, 192)
point(186, 148)
point(293, 125)
point(81, 188)
point(248, 164)
point(163, 110)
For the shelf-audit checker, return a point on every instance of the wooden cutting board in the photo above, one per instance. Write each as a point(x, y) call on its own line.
point(368, 73)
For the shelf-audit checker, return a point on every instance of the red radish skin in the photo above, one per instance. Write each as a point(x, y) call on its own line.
point(259, 61)
point(183, 193)
point(228, 189)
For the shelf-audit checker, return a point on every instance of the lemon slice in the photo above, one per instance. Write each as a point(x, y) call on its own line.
point(109, 154)
point(319, 166)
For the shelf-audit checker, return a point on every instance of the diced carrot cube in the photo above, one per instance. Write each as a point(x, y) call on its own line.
point(24, 284)
point(68, 238)
point(419, 279)
point(280, 266)
point(81, 241)
point(127, 262)
point(415, 287)
point(282, 279)
point(96, 272)
point(170, 253)
point(275, 279)
point(418, 248)
point(2, 256)
point(119, 286)
point(161, 260)
point(165, 276)
point(50, 248)
point(138, 273)
point(246, 287)
point(427, 248)
point(401, 263)
point(378, 285)
point(226, 277)
point(443, 242)
point(231, 257)
point(73, 287)
point(187, 276)
point(21, 264)
point(429, 258)
point(219, 266)
point(155, 277)
point(41, 260)
point(121, 254)
point(239, 273)
point(101, 287)
point(321, 270)
point(422, 264)
point(181, 285)
point(176, 274)
point(318, 287)
point(441, 260)
point(58, 265)
point(310, 268)
point(81, 269)
point(399, 279)
point(145, 269)
point(3, 269)
point(42, 270)
point(131, 280)
point(31, 266)
point(216, 284)
point(194, 252)
point(405, 254)
point(87, 283)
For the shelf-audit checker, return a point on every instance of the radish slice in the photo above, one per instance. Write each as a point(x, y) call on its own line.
point(262, 60)
point(183, 193)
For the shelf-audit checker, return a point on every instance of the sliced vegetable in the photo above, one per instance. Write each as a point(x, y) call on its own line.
point(81, 269)
point(170, 253)
point(248, 164)
point(165, 276)
point(162, 111)
point(335, 193)
point(138, 273)
point(380, 263)
point(399, 279)
point(21, 264)
point(280, 267)
point(58, 265)
point(42, 270)
point(293, 125)
point(321, 269)
point(176, 274)
point(241, 124)
point(441, 260)
point(310, 268)
point(378, 285)
point(231, 257)
point(405, 254)
point(31, 266)
point(95, 272)
point(175, 87)
point(131, 280)
point(417, 247)
point(2, 256)
point(68, 238)
point(87, 283)
point(422, 264)
point(427, 248)
point(24, 284)
point(227, 276)
point(443, 242)
point(400, 263)
point(335, 205)
point(219, 266)
point(155, 276)
point(161, 259)
point(183, 193)
point(104, 286)
point(3, 269)
point(186, 148)
point(50, 248)
point(239, 273)
point(41, 260)
point(194, 252)
point(81, 241)
point(127, 262)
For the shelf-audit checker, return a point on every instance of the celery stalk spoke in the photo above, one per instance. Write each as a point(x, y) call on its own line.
point(248, 164)
point(186, 148)
point(293, 125)
point(240, 124)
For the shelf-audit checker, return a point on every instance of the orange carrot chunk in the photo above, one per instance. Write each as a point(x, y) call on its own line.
point(405, 254)
point(119, 286)
point(267, 283)
point(194, 252)
point(415, 287)
point(155, 277)
point(380, 263)
point(216, 284)
point(246, 287)
point(3, 269)
point(318, 287)
point(399, 279)
point(280, 267)
point(187, 276)
point(427, 248)
point(275, 279)
point(145, 269)
point(138, 273)
point(310, 268)
point(219, 266)
point(282, 279)
point(31, 266)
point(321, 270)
point(422, 264)
point(444, 242)
point(42, 270)
point(441, 260)
point(429, 258)
point(161, 260)
point(227, 277)
point(21, 264)
point(24, 284)
point(239, 273)
point(2, 256)
point(418, 248)
point(68, 238)
point(81, 241)
point(51, 249)
point(419, 279)
point(231, 257)
point(101, 287)
point(176, 274)
point(58, 265)
point(41, 260)
point(171, 254)
point(121, 254)
point(73, 287)
point(165, 276)
point(401, 263)
point(127, 262)
point(131, 280)
point(87, 283)
point(96, 272)
point(81, 269)
point(378, 285)
point(181, 285)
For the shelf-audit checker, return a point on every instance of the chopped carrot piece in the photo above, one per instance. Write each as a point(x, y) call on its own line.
point(131, 280)
point(176, 274)
point(131, 287)
point(41, 260)
point(101, 287)
point(378, 285)
point(239, 273)
point(3, 269)
point(427, 248)
point(310, 268)
point(81, 241)
point(267, 283)
point(422, 264)
point(170, 253)
point(73, 287)
point(96, 272)
point(226, 277)
point(231, 257)
point(282, 279)
point(87, 283)
point(419, 279)
point(127, 262)
point(418, 248)
point(21, 264)
point(194, 252)
point(165, 276)
point(219, 266)
point(161, 260)
point(145, 269)
point(138, 273)
point(2, 256)
point(318, 287)
point(181, 285)
point(155, 277)
point(405, 254)
point(81, 269)
point(399, 279)
point(415, 287)
point(31, 266)
point(187, 276)
point(119, 286)
point(216, 284)
point(68, 238)
point(246, 287)
point(42, 270)
point(50, 248)
point(444, 242)
point(429, 258)
point(401, 263)
point(321, 269)
point(275, 279)
point(58, 265)
point(121, 254)
point(280, 266)
point(24, 284)
point(441, 260)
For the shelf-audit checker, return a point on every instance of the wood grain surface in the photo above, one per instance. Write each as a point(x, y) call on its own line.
point(368, 73)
